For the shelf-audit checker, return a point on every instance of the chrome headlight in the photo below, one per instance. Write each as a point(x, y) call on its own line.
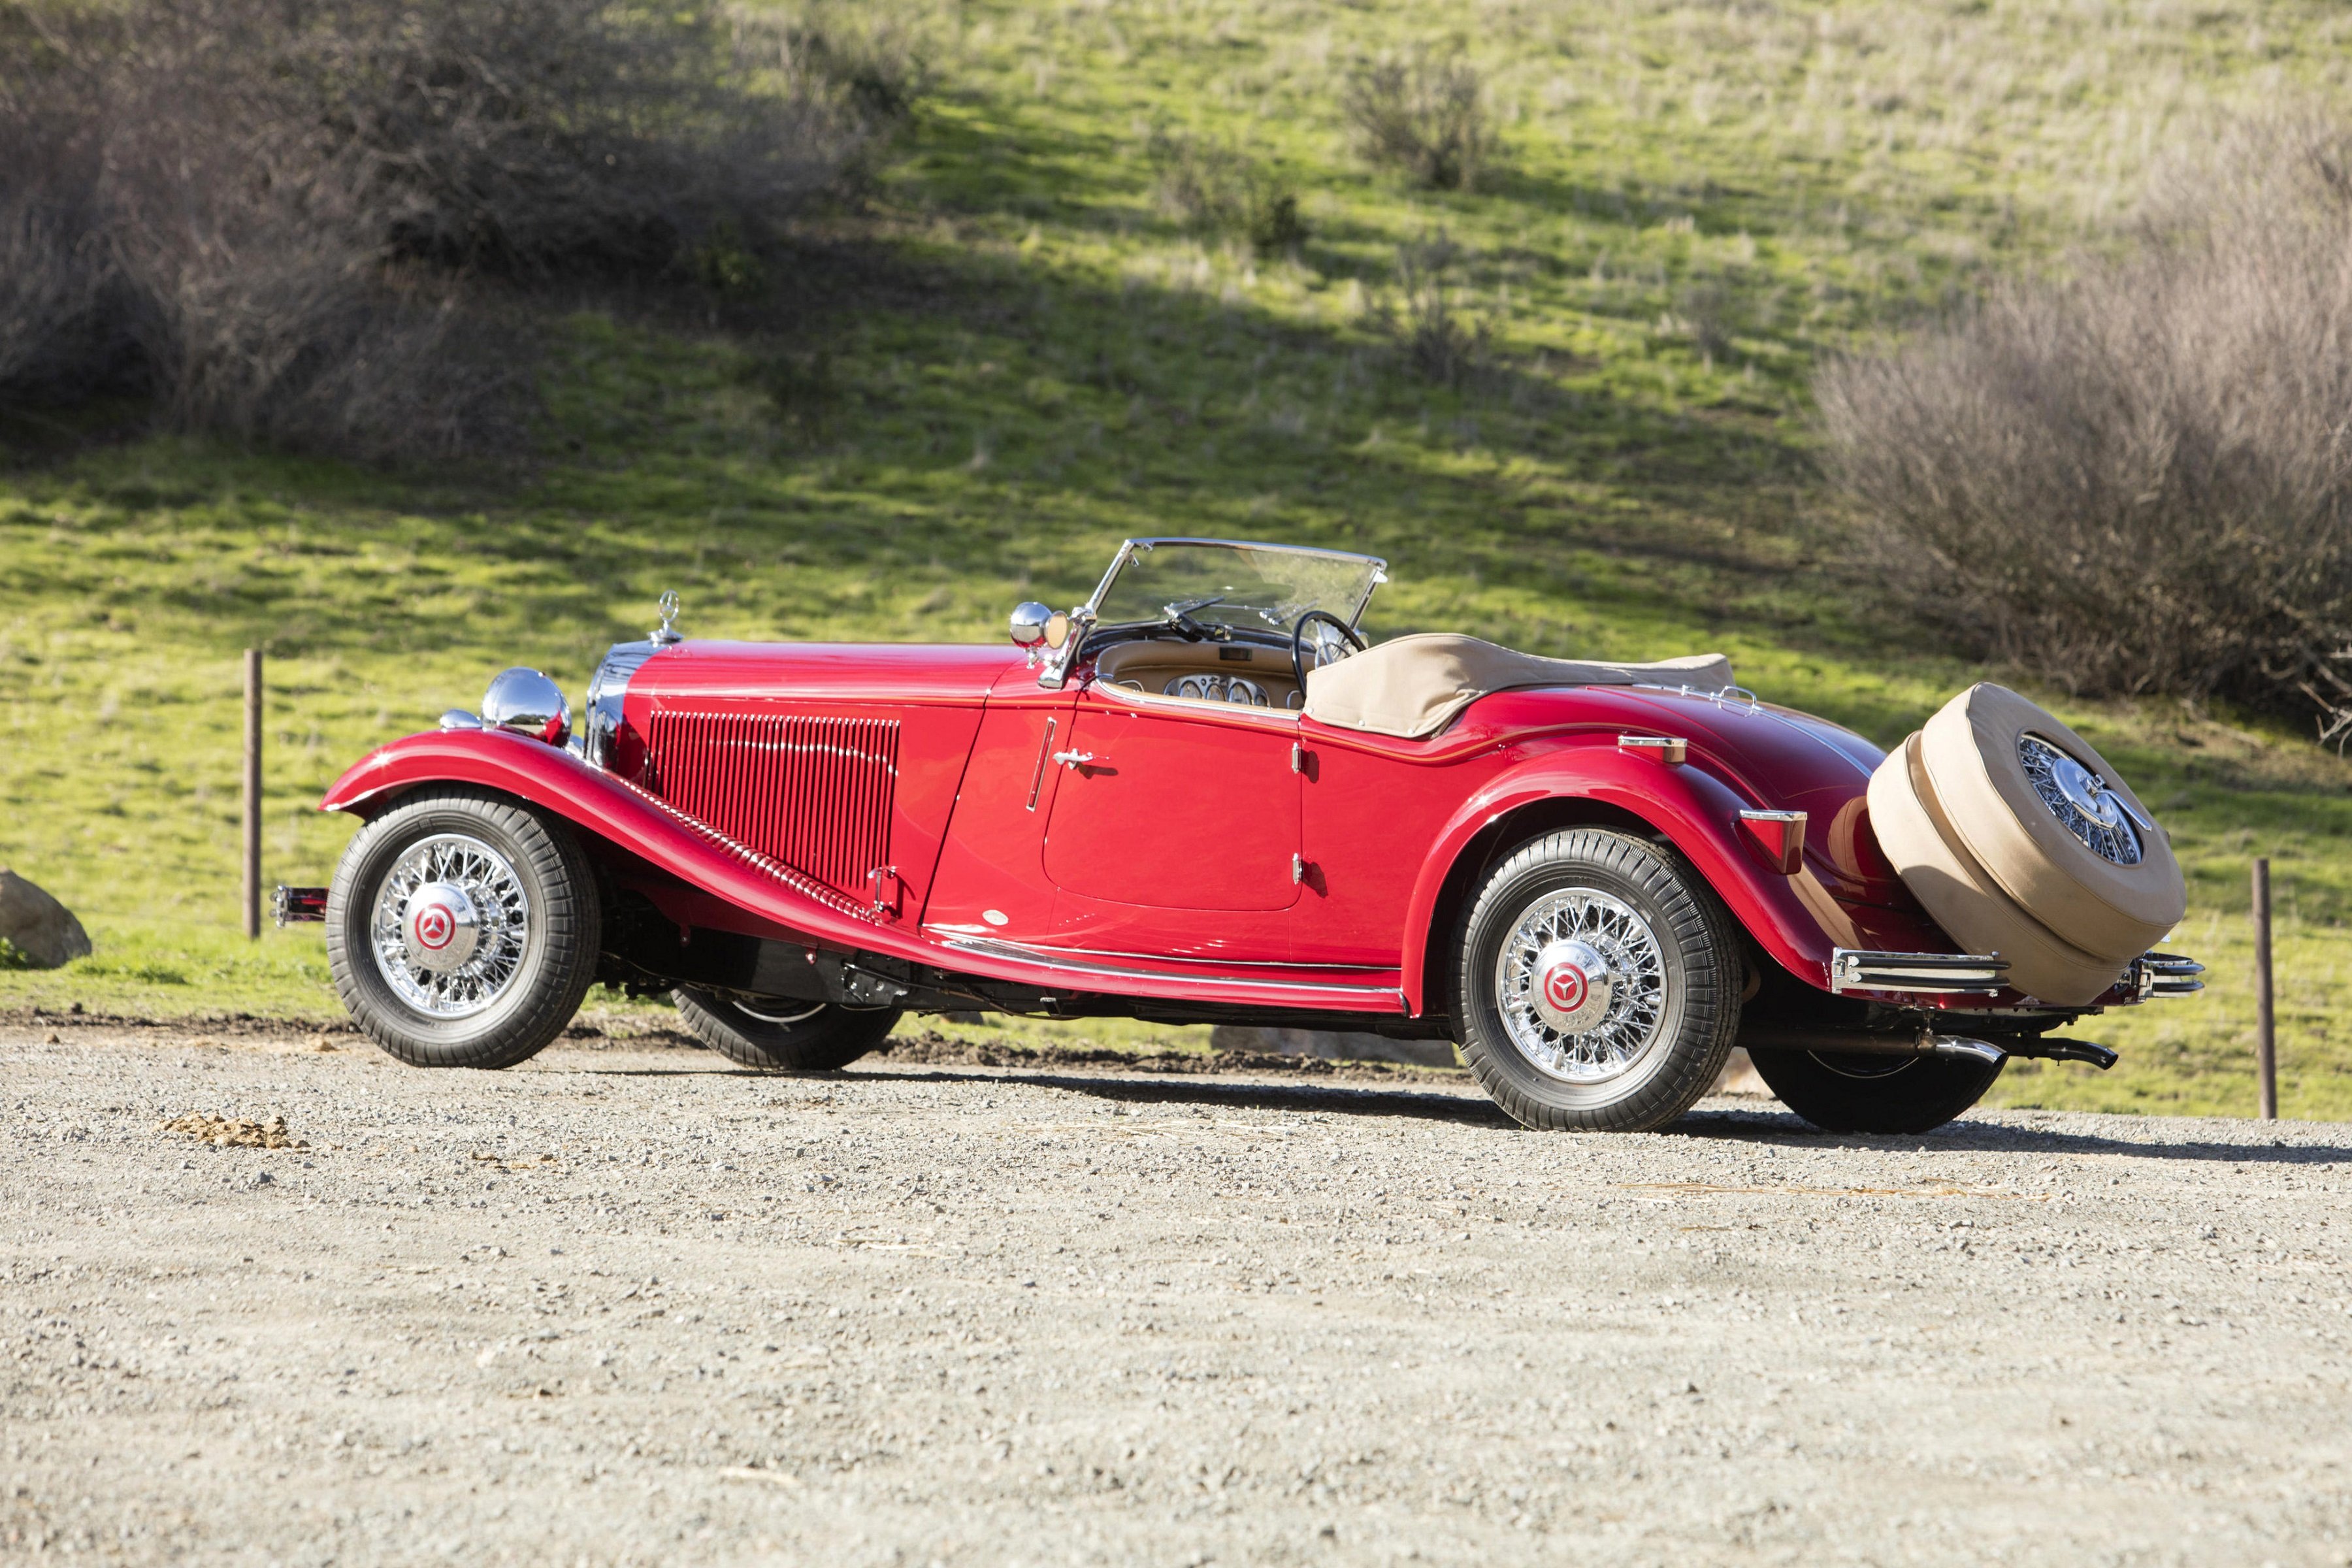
point(526, 702)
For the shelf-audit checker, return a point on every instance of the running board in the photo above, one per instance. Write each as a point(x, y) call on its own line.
point(1126, 978)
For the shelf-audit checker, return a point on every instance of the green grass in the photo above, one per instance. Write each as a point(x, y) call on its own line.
point(1014, 358)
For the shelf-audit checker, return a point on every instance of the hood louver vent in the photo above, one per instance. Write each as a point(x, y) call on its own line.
point(813, 794)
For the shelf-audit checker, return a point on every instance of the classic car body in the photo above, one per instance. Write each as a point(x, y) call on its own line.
point(1072, 829)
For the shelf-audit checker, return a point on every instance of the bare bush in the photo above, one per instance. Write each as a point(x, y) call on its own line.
point(1425, 113)
point(277, 210)
point(2138, 479)
point(1213, 187)
point(1435, 340)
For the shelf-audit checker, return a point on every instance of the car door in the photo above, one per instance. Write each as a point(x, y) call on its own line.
point(1173, 803)
point(991, 880)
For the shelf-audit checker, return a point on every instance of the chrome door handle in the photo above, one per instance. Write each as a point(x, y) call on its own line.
point(1074, 759)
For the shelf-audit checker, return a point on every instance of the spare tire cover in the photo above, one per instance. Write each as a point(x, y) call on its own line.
point(2024, 795)
point(1966, 902)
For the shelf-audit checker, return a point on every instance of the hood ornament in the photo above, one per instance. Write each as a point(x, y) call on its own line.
point(665, 634)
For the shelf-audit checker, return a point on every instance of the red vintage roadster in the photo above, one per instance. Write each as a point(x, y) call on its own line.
point(1198, 797)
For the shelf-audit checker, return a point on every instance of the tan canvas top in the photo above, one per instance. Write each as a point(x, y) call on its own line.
point(1413, 686)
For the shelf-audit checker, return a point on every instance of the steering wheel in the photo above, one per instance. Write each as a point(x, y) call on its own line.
point(1331, 647)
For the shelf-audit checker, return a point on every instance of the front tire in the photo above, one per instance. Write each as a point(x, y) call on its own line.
point(1853, 1092)
point(1599, 985)
point(463, 930)
point(784, 1036)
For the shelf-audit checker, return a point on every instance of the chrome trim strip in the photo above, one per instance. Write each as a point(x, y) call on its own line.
point(962, 933)
point(984, 948)
point(601, 714)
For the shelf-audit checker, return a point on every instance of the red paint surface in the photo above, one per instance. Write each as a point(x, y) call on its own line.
point(1164, 868)
point(1190, 807)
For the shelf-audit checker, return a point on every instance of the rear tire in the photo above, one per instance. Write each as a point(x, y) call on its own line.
point(484, 873)
point(1600, 984)
point(782, 1035)
point(1853, 1091)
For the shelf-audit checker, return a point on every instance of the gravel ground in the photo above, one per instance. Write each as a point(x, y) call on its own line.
point(626, 1304)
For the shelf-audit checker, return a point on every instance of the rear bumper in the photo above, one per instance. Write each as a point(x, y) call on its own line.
point(2148, 977)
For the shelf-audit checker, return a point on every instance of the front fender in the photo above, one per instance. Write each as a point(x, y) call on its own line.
point(622, 813)
point(1794, 919)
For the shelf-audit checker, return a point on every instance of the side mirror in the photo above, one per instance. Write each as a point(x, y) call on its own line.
point(1032, 623)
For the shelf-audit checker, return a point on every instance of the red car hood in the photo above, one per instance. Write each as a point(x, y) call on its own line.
point(874, 672)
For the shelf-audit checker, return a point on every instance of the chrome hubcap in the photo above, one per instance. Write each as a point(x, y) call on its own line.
point(1581, 986)
point(449, 925)
point(2080, 800)
point(439, 929)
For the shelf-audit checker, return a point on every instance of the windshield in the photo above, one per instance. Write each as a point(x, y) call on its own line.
point(1257, 587)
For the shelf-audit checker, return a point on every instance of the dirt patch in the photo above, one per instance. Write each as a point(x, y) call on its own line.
point(224, 1133)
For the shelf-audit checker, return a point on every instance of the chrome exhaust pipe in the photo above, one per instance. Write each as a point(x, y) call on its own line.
point(1926, 1043)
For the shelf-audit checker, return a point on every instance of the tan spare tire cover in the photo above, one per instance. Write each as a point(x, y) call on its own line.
point(1996, 763)
point(1965, 901)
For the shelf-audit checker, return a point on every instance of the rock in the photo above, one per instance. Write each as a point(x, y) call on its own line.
point(37, 926)
point(1332, 1044)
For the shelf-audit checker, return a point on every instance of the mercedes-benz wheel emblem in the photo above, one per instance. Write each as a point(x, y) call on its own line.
point(435, 927)
point(1564, 986)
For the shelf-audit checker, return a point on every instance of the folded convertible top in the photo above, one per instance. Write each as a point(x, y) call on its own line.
point(1413, 686)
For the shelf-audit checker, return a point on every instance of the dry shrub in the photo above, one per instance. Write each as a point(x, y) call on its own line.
point(1435, 340)
point(2139, 478)
point(1424, 113)
point(276, 216)
point(1214, 187)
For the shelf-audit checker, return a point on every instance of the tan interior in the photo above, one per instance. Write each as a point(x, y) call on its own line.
point(1149, 666)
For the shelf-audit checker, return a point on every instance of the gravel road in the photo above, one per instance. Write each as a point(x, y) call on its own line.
point(627, 1304)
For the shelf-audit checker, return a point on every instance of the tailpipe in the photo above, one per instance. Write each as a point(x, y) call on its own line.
point(1927, 1043)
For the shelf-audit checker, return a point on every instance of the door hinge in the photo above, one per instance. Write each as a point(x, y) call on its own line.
point(1297, 758)
point(1297, 868)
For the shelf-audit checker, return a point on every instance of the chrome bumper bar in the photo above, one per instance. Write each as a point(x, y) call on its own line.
point(1946, 974)
point(2152, 974)
point(2162, 975)
point(299, 904)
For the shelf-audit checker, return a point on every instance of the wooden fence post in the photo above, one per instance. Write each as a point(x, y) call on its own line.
point(253, 792)
point(2265, 1024)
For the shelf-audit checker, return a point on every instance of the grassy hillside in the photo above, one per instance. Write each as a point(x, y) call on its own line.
point(966, 394)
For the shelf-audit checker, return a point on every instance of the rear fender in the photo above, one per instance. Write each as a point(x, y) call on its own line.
point(1794, 918)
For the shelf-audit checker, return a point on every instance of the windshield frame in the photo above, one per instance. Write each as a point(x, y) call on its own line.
point(1128, 550)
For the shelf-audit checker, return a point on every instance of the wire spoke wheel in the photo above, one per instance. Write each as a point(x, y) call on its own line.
point(2080, 800)
point(462, 929)
point(1550, 958)
point(1598, 983)
point(450, 923)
